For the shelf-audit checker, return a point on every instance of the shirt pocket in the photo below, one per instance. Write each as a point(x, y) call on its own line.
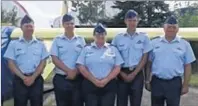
point(37, 53)
point(139, 46)
point(179, 53)
point(19, 52)
point(122, 47)
point(78, 48)
point(109, 58)
point(20, 55)
point(62, 49)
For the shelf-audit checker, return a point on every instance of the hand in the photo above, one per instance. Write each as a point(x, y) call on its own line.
point(123, 76)
point(71, 74)
point(104, 82)
point(28, 81)
point(185, 90)
point(98, 83)
point(148, 85)
point(131, 76)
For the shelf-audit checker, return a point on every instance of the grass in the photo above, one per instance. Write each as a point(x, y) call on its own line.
point(194, 80)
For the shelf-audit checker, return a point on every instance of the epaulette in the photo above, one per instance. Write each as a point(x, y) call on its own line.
point(155, 37)
point(39, 39)
point(111, 45)
point(181, 37)
point(142, 33)
point(14, 39)
point(87, 45)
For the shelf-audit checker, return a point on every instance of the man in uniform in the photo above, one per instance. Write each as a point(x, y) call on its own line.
point(134, 47)
point(27, 59)
point(65, 50)
point(170, 58)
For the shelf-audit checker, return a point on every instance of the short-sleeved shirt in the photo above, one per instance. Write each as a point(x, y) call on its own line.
point(27, 55)
point(132, 47)
point(100, 61)
point(67, 50)
point(168, 58)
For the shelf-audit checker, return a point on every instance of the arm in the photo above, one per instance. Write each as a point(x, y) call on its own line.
point(11, 58)
point(83, 70)
point(40, 68)
point(114, 73)
point(59, 64)
point(54, 54)
point(187, 74)
point(147, 48)
point(15, 69)
point(141, 64)
point(116, 68)
point(189, 57)
point(148, 72)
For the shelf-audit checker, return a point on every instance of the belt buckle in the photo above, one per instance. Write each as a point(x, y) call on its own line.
point(131, 68)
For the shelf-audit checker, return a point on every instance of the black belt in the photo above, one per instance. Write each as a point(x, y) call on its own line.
point(162, 79)
point(62, 75)
point(127, 70)
point(28, 74)
point(78, 77)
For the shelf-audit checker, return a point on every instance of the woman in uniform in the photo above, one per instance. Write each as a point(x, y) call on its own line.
point(99, 63)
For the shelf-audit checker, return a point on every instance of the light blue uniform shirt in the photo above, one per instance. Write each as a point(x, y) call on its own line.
point(100, 61)
point(27, 55)
point(168, 59)
point(132, 47)
point(67, 50)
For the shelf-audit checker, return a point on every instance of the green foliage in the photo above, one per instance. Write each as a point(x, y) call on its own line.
point(89, 11)
point(9, 17)
point(188, 16)
point(152, 13)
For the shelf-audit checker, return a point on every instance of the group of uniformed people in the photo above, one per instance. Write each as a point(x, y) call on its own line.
point(95, 73)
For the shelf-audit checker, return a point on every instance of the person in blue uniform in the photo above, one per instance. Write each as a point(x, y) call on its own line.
point(134, 47)
point(65, 50)
point(169, 61)
point(27, 59)
point(99, 63)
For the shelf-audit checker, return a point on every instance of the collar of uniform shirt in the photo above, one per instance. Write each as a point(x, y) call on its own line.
point(21, 38)
point(65, 37)
point(176, 39)
point(93, 44)
point(131, 34)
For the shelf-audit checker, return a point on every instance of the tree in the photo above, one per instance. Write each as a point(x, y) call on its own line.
point(88, 11)
point(152, 13)
point(9, 17)
point(188, 16)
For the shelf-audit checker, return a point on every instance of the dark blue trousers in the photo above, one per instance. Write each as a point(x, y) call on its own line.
point(67, 92)
point(133, 90)
point(95, 96)
point(166, 90)
point(23, 93)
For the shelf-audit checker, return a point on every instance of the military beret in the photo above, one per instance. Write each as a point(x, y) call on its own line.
point(171, 20)
point(131, 14)
point(67, 17)
point(26, 19)
point(99, 29)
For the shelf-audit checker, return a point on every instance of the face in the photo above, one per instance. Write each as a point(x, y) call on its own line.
point(69, 25)
point(171, 30)
point(100, 38)
point(131, 23)
point(28, 29)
